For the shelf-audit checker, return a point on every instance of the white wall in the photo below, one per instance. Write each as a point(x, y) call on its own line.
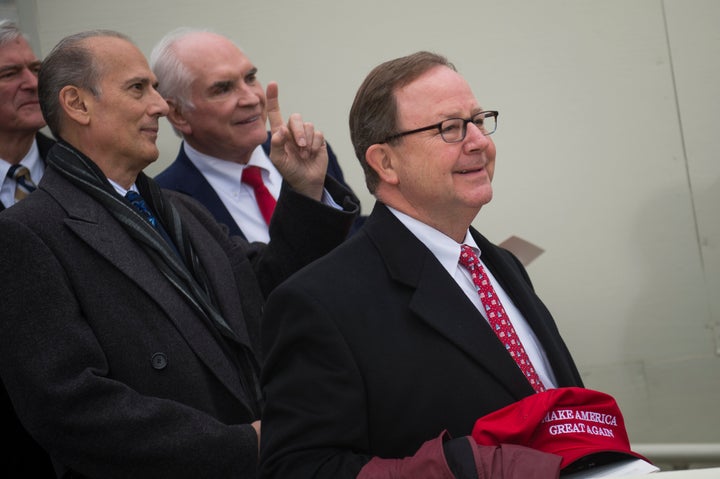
point(608, 154)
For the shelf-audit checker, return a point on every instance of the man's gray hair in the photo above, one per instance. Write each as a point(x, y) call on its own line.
point(174, 78)
point(9, 31)
point(69, 63)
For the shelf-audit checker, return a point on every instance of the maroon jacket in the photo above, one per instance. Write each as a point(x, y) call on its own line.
point(463, 458)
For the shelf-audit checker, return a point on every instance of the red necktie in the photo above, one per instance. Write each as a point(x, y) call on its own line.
point(497, 318)
point(252, 176)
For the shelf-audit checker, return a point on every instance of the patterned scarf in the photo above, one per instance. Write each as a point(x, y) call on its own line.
point(186, 274)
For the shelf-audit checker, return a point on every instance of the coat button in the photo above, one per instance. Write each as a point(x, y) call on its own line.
point(159, 361)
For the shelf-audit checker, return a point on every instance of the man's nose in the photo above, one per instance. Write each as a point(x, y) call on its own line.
point(247, 96)
point(159, 105)
point(476, 138)
point(29, 79)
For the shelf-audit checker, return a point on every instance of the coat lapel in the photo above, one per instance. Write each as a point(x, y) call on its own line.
point(94, 225)
point(514, 280)
point(439, 302)
point(195, 185)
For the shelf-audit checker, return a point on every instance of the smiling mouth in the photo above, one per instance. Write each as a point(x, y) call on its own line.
point(474, 170)
point(29, 103)
point(249, 120)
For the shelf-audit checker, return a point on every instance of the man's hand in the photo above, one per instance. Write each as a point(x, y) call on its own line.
point(297, 150)
point(256, 426)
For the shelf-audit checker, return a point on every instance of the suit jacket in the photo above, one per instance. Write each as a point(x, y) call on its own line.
point(393, 350)
point(183, 176)
point(107, 364)
point(22, 456)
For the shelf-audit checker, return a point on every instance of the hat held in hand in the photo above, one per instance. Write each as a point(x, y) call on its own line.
point(583, 426)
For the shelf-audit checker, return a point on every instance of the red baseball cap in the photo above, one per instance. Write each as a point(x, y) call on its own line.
point(583, 426)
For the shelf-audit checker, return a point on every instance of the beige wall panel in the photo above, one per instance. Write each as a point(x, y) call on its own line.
point(594, 164)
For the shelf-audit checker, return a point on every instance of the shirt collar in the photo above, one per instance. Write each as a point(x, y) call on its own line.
point(225, 175)
point(444, 248)
point(217, 167)
point(31, 161)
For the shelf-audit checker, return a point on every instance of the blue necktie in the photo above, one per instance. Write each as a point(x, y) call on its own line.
point(139, 203)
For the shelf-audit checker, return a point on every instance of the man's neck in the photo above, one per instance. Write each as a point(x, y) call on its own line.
point(453, 224)
point(15, 145)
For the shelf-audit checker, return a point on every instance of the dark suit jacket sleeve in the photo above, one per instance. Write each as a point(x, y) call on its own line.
point(326, 386)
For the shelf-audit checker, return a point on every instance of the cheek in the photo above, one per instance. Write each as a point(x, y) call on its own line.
point(219, 111)
point(491, 161)
point(210, 110)
point(258, 89)
point(207, 119)
point(6, 96)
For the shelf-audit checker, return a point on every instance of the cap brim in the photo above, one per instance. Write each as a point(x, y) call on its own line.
point(581, 458)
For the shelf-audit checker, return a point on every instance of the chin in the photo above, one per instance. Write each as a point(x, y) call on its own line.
point(484, 195)
point(150, 156)
point(34, 123)
point(261, 134)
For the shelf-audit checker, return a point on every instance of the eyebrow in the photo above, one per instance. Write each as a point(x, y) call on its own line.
point(221, 83)
point(19, 66)
point(456, 114)
point(220, 86)
point(143, 80)
point(473, 112)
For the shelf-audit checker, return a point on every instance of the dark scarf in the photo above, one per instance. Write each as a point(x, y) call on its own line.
point(180, 266)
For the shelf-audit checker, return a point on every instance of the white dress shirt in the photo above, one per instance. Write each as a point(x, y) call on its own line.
point(239, 199)
point(447, 252)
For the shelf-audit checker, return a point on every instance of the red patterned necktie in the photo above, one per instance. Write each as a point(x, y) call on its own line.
point(251, 175)
point(497, 317)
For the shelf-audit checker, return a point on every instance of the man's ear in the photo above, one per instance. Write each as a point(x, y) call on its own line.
point(176, 117)
point(74, 102)
point(380, 157)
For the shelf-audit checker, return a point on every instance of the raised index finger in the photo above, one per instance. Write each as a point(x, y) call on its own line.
point(273, 107)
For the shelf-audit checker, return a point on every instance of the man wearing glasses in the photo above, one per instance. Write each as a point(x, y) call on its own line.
point(395, 337)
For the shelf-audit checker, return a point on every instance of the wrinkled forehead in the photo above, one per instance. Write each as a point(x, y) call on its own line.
point(110, 50)
point(436, 94)
point(202, 52)
point(117, 58)
point(17, 50)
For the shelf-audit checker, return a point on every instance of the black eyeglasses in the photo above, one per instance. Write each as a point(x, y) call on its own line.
point(454, 130)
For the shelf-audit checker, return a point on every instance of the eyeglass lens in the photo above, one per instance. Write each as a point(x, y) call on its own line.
point(454, 129)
